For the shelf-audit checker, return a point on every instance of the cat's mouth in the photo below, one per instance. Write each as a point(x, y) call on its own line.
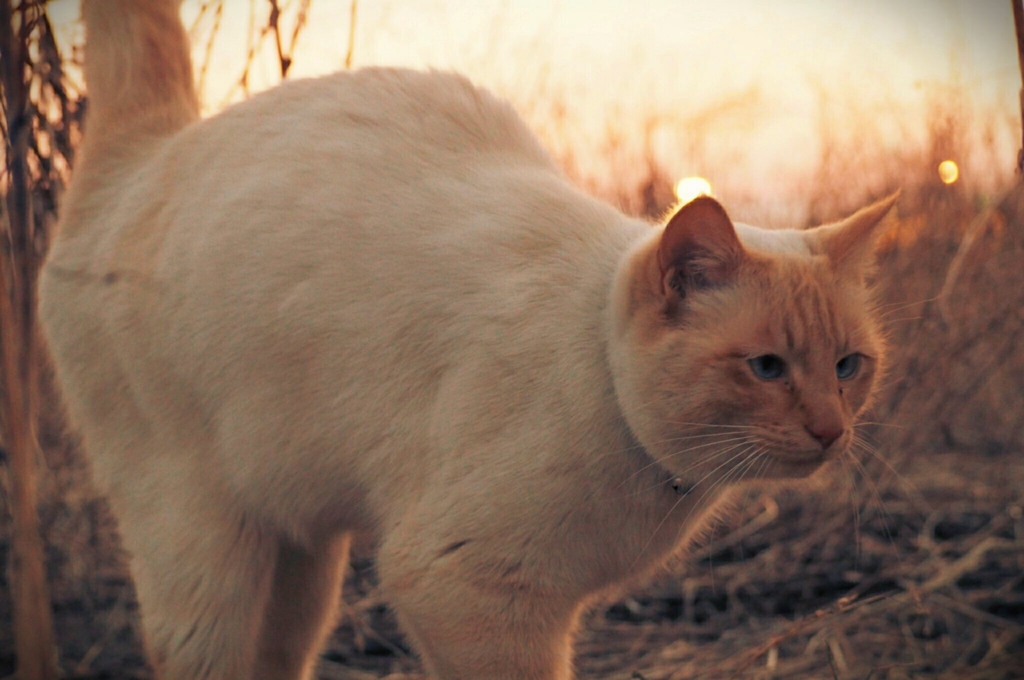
point(799, 461)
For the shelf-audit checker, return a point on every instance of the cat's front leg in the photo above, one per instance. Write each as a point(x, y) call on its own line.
point(471, 617)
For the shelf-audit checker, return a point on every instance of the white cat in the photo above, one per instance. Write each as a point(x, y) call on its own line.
point(371, 303)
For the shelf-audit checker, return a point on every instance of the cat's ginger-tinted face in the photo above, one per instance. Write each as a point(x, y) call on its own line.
point(736, 361)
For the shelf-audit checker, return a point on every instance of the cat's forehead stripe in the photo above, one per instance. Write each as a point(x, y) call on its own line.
point(809, 319)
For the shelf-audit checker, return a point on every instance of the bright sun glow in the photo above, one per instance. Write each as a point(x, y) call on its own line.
point(948, 172)
point(690, 188)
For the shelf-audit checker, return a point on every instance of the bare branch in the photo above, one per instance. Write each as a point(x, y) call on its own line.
point(1018, 21)
point(274, 23)
point(33, 625)
point(351, 34)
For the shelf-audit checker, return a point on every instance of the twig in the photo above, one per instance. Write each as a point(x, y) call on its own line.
point(973, 612)
point(273, 22)
point(218, 15)
point(301, 17)
point(831, 660)
point(33, 624)
point(966, 564)
point(1018, 21)
point(351, 35)
point(887, 601)
point(115, 622)
point(256, 41)
point(817, 619)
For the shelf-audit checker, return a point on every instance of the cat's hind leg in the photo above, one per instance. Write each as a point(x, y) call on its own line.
point(203, 575)
point(303, 608)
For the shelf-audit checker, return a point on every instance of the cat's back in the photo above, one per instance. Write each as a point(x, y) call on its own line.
point(431, 112)
point(368, 134)
point(352, 164)
point(389, 125)
point(341, 217)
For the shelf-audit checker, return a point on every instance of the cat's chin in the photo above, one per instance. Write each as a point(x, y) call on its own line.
point(793, 467)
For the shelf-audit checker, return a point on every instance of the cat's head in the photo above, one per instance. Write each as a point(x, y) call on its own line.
point(739, 352)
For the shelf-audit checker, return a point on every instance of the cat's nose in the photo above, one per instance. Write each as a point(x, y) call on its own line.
point(824, 434)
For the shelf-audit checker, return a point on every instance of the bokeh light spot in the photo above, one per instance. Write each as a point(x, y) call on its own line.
point(948, 172)
point(690, 188)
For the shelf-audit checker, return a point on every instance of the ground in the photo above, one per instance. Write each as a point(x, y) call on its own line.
point(928, 582)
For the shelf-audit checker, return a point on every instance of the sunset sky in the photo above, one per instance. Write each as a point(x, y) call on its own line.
point(738, 88)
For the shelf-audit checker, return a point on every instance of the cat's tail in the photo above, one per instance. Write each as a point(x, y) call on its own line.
point(138, 71)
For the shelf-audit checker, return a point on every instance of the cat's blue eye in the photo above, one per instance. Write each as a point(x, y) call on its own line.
point(768, 366)
point(847, 367)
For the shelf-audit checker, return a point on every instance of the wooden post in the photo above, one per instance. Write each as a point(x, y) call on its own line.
point(1018, 22)
point(19, 261)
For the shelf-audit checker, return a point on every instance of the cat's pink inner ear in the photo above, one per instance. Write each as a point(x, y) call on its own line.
point(850, 244)
point(699, 245)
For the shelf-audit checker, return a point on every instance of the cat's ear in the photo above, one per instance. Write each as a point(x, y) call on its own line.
point(699, 248)
point(850, 244)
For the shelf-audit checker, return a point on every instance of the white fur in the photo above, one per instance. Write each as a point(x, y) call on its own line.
point(364, 303)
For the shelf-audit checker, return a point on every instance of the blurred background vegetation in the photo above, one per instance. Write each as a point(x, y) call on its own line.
point(908, 565)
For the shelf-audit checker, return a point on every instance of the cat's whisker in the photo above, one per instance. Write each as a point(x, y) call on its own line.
point(767, 459)
point(721, 482)
point(666, 441)
point(861, 438)
point(896, 307)
point(880, 504)
point(854, 504)
point(742, 453)
point(876, 495)
point(908, 487)
point(708, 458)
point(764, 456)
point(875, 423)
point(736, 473)
point(703, 460)
point(723, 437)
point(657, 529)
point(683, 525)
point(736, 443)
point(884, 387)
point(873, 451)
point(730, 427)
point(890, 322)
point(661, 460)
point(747, 463)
